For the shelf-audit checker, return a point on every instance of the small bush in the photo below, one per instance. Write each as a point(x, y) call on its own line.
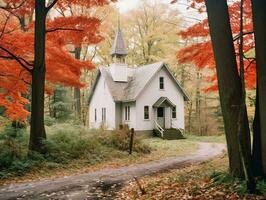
point(49, 121)
point(120, 139)
point(13, 152)
point(227, 180)
point(65, 143)
point(64, 146)
point(261, 186)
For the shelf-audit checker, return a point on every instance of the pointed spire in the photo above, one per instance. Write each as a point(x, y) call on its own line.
point(118, 48)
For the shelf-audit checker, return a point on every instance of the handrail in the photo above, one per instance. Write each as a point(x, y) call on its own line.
point(173, 126)
point(159, 128)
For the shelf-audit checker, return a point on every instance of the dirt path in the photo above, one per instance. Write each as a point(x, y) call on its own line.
point(104, 184)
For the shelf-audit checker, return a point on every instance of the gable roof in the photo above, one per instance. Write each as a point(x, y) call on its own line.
point(161, 101)
point(118, 47)
point(129, 91)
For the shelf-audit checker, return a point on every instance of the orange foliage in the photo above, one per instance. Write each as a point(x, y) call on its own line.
point(61, 67)
point(201, 54)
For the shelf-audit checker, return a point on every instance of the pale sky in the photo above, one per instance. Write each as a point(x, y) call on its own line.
point(189, 15)
point(127, 5)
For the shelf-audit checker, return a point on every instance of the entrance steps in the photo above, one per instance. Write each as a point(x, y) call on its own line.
point(170, 134)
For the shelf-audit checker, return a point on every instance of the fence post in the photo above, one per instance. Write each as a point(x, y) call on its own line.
point(131, 140)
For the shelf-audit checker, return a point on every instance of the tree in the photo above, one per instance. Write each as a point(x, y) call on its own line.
point(32, 59)
point(243, 126)
point(259, 154)
point(61, 104)
point(79, 49)
point(227, 71)
point(200, 33)
point(229, 82)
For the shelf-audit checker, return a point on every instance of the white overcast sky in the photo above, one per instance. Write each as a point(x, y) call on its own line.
point(127, 5)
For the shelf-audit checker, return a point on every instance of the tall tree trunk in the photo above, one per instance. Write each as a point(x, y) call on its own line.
point(37, 130)
point(198, 104)
point(256, 150)
point(183, 70)
point(259, 19)
point(50, 106)
point(228, 79)
point(205, 128)
point(77, 95)
point(243, 125)
point(190, 117)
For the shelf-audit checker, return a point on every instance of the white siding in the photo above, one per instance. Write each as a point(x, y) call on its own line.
point(102, 99)
point(151, 94)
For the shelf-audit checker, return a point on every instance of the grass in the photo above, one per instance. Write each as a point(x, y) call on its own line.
point(165, 148)
point(74, 149)
point(215, 139)
point(209, 180)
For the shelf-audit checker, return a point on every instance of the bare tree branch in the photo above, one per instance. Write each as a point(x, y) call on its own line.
point(237, 37)
point(8, 7)
point(62, 29)
point(60, 12)
point(250, 63)
point(4, 26)
point(51, 5)
point(18, 59)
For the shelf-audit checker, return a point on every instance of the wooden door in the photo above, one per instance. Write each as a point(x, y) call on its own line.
point(161, 116)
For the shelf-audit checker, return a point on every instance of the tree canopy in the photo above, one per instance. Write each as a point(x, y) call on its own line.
point(199, 32)
point(17, 52)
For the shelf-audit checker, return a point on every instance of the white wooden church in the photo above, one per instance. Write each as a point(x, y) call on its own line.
point(144, 98)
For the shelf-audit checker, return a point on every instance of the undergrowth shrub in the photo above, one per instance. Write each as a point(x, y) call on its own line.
point(120, 139)
point(235, 184)
point(13, 152)
point(65, 143)
point(49, 121)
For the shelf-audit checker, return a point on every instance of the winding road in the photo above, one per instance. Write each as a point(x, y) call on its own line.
point(103, 184)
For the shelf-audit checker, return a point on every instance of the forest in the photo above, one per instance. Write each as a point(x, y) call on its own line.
point(50, 54)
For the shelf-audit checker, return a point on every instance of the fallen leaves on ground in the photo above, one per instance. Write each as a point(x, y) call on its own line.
point(191, 183)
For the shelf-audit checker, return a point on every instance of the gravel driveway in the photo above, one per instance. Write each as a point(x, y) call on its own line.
point(103, 184)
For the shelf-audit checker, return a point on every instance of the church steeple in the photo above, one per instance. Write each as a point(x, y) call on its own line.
point(118, 49)
point(118, 68)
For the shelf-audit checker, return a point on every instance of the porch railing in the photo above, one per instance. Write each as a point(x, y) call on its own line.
point(175, 127)
point(173, 124)
point(159, 128)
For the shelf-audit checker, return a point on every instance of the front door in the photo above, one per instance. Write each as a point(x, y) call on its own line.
point(160, 116)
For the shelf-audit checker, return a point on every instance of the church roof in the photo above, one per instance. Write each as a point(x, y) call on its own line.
point(163, 100)
point(118, 47)
point(138, 79)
